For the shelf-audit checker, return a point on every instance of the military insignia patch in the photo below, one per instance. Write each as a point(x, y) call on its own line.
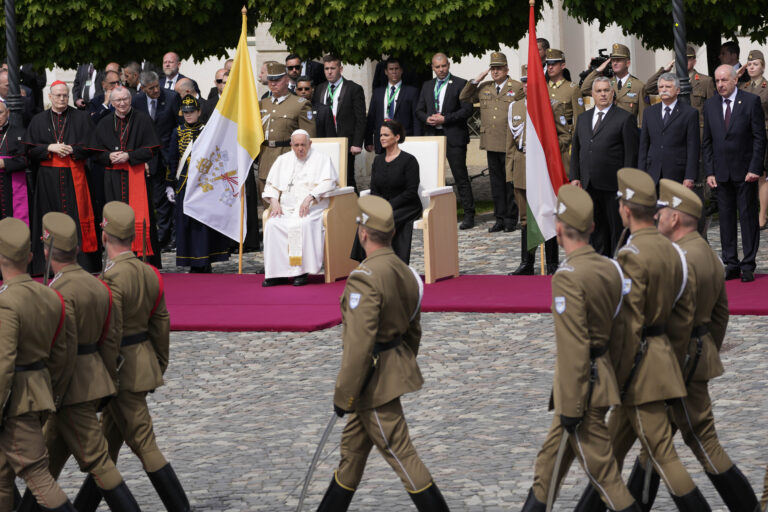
point(563, 121)
point(309, 115)
point(631, 94)
point(627, 286)
point(3, 288)
point(560, 304)
point(510, 93)
point(354, 300)
point(676, 201)
point(581, 102)
point(629, 193)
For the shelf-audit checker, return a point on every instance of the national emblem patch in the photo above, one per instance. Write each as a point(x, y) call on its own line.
point(354, 300)
point(560, 304)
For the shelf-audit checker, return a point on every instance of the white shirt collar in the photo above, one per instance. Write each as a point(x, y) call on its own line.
point(732, 97)
point(390, 86)
point(671, 107)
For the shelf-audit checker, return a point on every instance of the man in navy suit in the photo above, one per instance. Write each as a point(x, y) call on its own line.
point(733, 155)
point(162, 105)
point(669, 139)
point(394, 101)
point(441, 113)
point(171, 75)
point(101, 106)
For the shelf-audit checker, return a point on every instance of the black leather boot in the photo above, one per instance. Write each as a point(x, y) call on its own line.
point(120, 499)
point(429, 500)
point(551, 255)
point(28, 503)
point(169, 489)
point(336, 499)
point(89, 496)
point(590, 501)
point(468, 222)
point(531, 503)
point(735, 490)
point(526, 257)
point(692, 502)
point(636, 484)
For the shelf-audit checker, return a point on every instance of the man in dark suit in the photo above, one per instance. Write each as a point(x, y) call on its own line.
point(28, 112)
point(221, 80)
point(733, 152)
point(87, 85)
point(185, 87)
point(346, 100)
point(394, 101)
point(441, 113)
point(605, 140)
point(669, 140)
point(101, 106)
point(321, 114)
point(295, 67)
point(162, 106)
point(171, 74)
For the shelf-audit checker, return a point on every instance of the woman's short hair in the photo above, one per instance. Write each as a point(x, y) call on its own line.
point(396, 128)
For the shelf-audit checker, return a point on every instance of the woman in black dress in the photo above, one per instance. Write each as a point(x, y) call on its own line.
point(395, 177)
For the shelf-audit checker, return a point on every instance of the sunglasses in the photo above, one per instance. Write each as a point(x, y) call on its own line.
point(291, 68)
point(220, 81)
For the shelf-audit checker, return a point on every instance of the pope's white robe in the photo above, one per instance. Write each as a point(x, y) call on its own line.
point(293, 245)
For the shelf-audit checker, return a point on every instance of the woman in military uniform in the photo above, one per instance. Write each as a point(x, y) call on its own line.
point(758, 85)
point(197, 245)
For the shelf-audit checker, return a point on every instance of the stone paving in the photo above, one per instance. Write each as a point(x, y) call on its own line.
point(241, 413)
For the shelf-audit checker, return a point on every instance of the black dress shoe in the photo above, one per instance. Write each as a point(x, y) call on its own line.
point(468, 222)
point(747, 276)
point(732, 273)
point(496, 228)
point(300, 280)
point(275, 281)
point(509, 229)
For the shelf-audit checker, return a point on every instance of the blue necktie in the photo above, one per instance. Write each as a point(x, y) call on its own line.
point(391, 106)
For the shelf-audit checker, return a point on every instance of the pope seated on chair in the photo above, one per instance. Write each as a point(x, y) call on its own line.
point(294, 233)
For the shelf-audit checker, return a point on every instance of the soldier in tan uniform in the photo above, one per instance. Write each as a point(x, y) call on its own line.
point(75, 428)
point(647, 367)
point(142, 325)
point(34, 374)
point(587, 295)
point(630, 93)
point(380, 309)
point(281, 114)
point(515, 164)
point(495, 97)
point(562, 90)
point(757, 84)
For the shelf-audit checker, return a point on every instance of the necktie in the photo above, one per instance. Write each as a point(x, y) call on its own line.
point(437, 98)
point(599, 120)
point(727, 113)
point(152, 108)
point(498, 90)
point(168, 84)
point(330, 96)
point(619, 84)
point(667, 113)
point(391, 105)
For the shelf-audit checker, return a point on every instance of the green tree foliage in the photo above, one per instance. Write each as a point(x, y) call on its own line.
point(68, 32)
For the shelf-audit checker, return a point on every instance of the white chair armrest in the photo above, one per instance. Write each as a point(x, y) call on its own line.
point(365, 192)
point(338, 192)
point(436, 191)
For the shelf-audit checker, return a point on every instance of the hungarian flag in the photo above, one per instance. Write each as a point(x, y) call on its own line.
point(222, 155)
point(544, 172)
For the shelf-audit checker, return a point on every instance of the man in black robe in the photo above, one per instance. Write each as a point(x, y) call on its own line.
point(58, 141)
point(14, 199)
point(126, 140)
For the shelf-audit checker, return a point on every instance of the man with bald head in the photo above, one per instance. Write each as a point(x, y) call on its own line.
point(171, 74)
point(218, 88)
point(186, 87)
point(26, 95)
point(101, 105)
point(733, 152)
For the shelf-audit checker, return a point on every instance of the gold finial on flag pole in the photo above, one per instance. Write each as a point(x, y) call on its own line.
point(244, 10)
point(531, 2)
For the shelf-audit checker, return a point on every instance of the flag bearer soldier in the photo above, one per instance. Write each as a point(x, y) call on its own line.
point(380, 309)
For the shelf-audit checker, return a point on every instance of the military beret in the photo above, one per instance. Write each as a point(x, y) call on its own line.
point(690, 51)
point(756, 55)
point(554, 55)
point(524, 72)
point(679, 197)
point(190, 104)
point(14, 239)
point(636, 186)
point(376, 213)
point(574, 207)
point(62, 228)
point(619, 51)
point(275, 70)
point(498, 59)
point(119, 220)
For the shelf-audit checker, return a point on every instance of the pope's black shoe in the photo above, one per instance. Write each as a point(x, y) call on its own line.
point(301, 280)
point(275, 281)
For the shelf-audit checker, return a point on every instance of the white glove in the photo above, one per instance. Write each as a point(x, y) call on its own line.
point(170, 195)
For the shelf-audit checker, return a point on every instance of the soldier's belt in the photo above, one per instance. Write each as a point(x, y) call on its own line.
point(37, 365)
point(378, 348)
point(654, 330)
point(90, 348)
point(595, 352)
point(648, 331)
point(133, 339)
point(277, 143)
point(699, 331)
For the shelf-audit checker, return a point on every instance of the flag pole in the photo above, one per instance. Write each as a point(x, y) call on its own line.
point(242, 214)
point(541, 258)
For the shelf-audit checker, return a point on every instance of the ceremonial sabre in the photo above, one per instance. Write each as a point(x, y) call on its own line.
point(556, 470)
point(48, 262)
point(647, 480)
point(312, 464)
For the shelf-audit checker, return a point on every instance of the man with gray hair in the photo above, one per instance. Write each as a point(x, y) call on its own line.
point(293, 236)
point(669, 139)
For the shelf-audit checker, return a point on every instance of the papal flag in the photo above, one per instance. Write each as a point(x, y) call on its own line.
point(544, 172)
point(224, 151)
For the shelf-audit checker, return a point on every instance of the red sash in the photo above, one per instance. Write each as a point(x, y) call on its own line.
point(82, 197)
point(137, 199)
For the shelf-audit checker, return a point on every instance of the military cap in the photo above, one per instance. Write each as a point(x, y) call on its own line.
point(14, 239)
point(756, 55)
point(62, 228)
point(679, 197)
point(524, 72)
point(690, 51)
point(636, 186)
point(498, 59)
point(119, 220)
point(619, 51)
point(574, 207)
point(190, 104)
point(275, 70)
point(376, 213)
point(554, 55)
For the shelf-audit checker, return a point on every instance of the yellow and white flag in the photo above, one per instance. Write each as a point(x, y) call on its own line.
point(223, 153)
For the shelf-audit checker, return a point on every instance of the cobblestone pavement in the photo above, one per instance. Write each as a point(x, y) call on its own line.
point(241, 413)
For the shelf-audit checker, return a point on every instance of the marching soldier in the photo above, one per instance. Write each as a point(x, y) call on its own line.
point(515, 166)
point(629, 90)
point(142, 325)
point(380, 309)
point(495, 97)
point(75, 429)
point(587, 294)
point(33, 374)
point(647, 368)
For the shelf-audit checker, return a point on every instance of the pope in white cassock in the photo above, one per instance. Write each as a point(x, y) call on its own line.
point(294, 233)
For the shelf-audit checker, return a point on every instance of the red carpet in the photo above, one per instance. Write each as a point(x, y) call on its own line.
point(226, 302)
